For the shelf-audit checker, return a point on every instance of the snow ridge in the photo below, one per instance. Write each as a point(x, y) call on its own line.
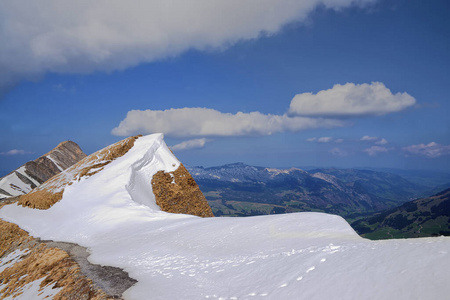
point(158, 157)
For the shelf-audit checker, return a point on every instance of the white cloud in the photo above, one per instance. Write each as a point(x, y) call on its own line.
point(374, 150)
point(325, 139)
point(431, 150)
point(16, 152)
point(185, 122)
point(338, 140)
point(338, 152)
point(350, 100)
point(381, 142)
point(190, 144)
point(378, 141)
point(84, 36)
point(369, 138)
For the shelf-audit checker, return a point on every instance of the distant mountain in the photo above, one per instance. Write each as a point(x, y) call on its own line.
point(390, 187)
point(427, 178)
point(239, 189)
point(36, 172)
point(419, 218)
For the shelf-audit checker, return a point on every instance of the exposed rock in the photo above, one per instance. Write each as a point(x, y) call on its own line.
point(177, 192)
point(66, 154)
point(25, 261)
point(36, 172)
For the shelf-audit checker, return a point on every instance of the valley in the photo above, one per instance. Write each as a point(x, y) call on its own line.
point(238, 190)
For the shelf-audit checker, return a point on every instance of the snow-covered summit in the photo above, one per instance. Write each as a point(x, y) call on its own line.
point(179, 256)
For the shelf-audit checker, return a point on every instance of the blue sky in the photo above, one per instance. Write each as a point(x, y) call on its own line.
point(315, 83)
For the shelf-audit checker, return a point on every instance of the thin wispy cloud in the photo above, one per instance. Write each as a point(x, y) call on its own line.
point(375, 139)
point(351, 100)
point(369, 138)
point(431, 150)
point(16, 152)
point(87, 36)
point(190, 144)
point(338, 152)
point(375, 150)
point(190, 122)
point(324, 139)
point(381, 142)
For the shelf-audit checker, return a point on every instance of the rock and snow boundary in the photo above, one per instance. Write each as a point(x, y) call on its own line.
point(176, 256)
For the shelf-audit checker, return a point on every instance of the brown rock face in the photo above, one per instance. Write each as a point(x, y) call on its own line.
point(63, 156)
point(41, 169)
point(177, 192)
point(66, 154)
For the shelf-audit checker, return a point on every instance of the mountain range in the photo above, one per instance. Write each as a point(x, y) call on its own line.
point(129, 222)
point(238, 189)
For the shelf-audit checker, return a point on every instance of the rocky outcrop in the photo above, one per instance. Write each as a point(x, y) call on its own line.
point(177, 192)
point(27, 262)
point(34, 173)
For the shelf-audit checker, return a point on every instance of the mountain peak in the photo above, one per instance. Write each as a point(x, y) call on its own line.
point(35, 172)
point(148, 174)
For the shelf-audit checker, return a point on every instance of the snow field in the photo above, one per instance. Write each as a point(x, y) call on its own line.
point(174, 256)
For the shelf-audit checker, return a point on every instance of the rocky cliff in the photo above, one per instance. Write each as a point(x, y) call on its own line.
point(34, 173)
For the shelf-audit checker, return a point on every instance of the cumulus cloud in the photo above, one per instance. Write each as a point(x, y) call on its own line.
point(16, 152)
point(190, 144)
point(375, 150)
point(431, 150)
point(350, 100)
point(185, 122)
point(84, 36)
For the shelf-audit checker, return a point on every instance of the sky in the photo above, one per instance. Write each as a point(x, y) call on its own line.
point(279, 83)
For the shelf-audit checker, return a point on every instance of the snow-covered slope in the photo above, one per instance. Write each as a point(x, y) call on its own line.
point(34, 173)
point(176, 256)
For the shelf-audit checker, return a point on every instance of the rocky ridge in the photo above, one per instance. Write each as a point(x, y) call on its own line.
point(35, 172)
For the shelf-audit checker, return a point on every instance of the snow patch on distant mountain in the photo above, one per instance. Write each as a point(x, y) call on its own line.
point(239, 172)
point(330, 179)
